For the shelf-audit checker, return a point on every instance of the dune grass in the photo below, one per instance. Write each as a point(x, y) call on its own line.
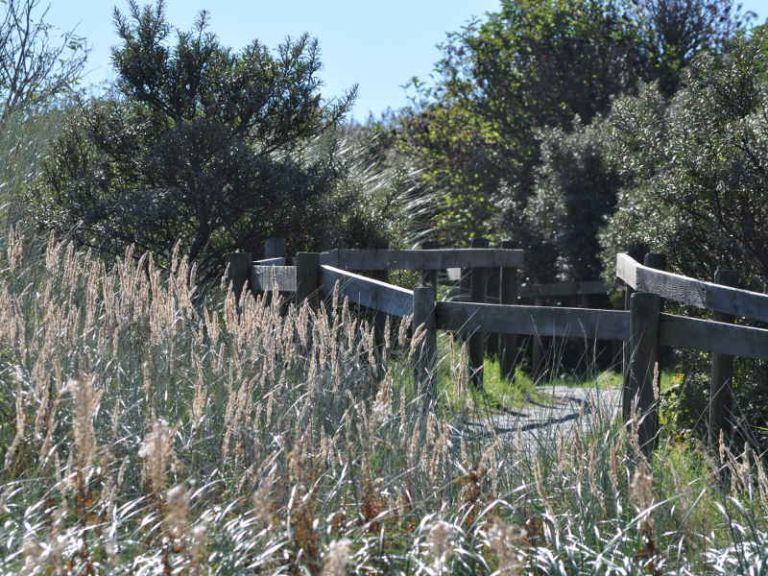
point(150, 429)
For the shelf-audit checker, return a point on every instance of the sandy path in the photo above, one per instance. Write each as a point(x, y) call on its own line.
point(563, 410)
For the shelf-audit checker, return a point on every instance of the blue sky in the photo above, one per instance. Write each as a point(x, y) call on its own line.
point(377, 45)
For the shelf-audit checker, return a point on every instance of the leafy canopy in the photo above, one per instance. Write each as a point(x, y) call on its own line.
point(199, 144)
point(536, 65)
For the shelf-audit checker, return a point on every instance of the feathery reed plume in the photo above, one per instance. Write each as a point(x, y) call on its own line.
point(337, 558)
point(440, 543)
point(156, 451)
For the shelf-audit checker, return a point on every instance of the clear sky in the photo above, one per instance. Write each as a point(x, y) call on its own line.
point(377, 45)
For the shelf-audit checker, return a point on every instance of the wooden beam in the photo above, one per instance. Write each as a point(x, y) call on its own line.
point(478, 289)
point(270, 262)
point(533, 320)
point(424, 327)
point(563, 289)
point(721, 376)
point(508, 292)
point(308, 278)
point(368, 292)
point(238, 271)
point(712, 336)
point(273, 278)
point(433, 259)
point(644, 352)
point(692, 292)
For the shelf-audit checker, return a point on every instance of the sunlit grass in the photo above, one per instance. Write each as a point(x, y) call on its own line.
point(148, 429)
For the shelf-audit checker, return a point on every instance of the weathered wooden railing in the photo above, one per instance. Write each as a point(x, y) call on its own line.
point(644, 327)
point(650, 328)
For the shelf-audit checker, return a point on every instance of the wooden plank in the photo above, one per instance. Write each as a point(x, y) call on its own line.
point(308, 278)
point(508, 291)
point(368, 292)
point(533, 320)
point(431, 259)
point(423, 324)
point(692, 292)
point(563, 289)
point(639, 386)
point(721, 417)
point(237, 272)
point(270, 262)
point(273, 278)
point(626, 269)
point(713, 336)
point(625, 355)
point(478, 290)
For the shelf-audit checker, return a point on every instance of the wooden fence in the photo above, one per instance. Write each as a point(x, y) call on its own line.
point(643, 327)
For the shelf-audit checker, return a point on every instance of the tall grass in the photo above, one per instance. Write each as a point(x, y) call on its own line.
point(149, 429)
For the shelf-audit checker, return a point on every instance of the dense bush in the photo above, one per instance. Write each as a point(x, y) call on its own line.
point(198, 145)
point(693, 184)
point(582, 172)
point(575, 192)
point(696, 185)
point(541, 64)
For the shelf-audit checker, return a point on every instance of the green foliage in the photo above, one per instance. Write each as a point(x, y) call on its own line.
point(582, 172)
point(538, 64)
point(200, 145)
point(575, 192)
point(531, 64)
point(700, 185)
point(25, 141)
point(693, 184)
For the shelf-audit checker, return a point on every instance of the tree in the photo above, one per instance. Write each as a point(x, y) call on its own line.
point(699, 192)
point(33, 67)
point(199, 145)
point(532, 66)
point(673, 32)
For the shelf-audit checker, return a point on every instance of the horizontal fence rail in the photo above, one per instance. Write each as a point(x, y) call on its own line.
point(533, 320)
point(279, 261)
point(563, 289)
point(428, 259)
point(368, 292)
point(712, 336)
point(692, 292)
point(273, 277)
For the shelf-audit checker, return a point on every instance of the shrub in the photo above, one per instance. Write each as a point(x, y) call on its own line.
point(700, 194)
point(199, 145)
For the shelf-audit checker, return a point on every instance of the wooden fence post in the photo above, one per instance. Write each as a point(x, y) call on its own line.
point(508, 291)
point(274, 248)
point(626, 353)
point(720, 392)
point(659, 262)
point(538, 358)
point(493, 294)
point(380, 318)
point(308, 278)
point(239, 272)
point(426, 356)
point(643, 364)
point(478, 287)
point(429, 277)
